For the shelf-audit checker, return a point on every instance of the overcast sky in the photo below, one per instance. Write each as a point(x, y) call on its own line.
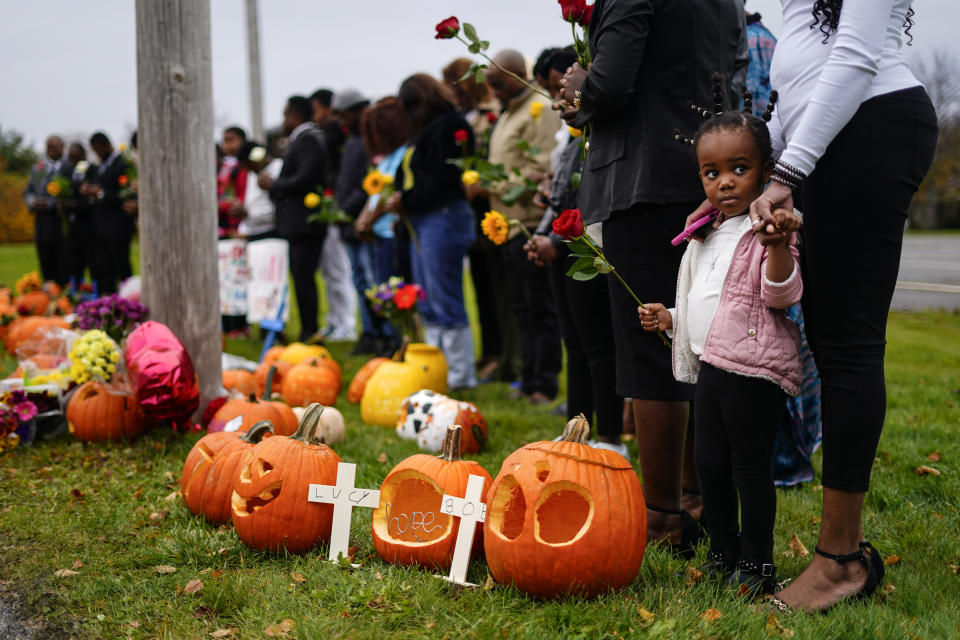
point(70, 67)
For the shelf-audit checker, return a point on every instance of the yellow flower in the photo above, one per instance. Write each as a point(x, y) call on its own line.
point(470, 177)
point(375, 181)
point(574, 132)
point(114, 356)
point(536, 108)
point(495, 227)
point(312, 200)
point(53, 189)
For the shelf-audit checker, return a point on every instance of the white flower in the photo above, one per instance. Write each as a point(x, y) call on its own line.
point(81, 167)
point(257, 154)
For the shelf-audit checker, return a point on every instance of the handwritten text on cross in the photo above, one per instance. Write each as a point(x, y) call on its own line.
point(344, 497)
point(470, 510)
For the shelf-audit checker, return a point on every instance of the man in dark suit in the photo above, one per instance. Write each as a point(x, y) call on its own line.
point(81, 238)
point(105, 188)
point(651, 59)
point(48, 225)
point(304, 171)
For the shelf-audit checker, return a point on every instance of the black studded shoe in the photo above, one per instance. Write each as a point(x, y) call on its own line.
point(753, 579)
point(721, 559)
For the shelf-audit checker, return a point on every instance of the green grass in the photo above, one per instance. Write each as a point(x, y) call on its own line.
point(62, 501)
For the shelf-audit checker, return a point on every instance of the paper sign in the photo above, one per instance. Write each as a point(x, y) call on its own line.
point(234, 424)
point(267, 263)
point(471, 510)
point(234, 276)
point(344, 497)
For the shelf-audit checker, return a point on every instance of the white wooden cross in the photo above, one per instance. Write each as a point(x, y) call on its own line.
point(344, 497)
point(470, 510)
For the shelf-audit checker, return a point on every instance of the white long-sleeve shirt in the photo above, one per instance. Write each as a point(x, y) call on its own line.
point(261, 213)
point(821, 85)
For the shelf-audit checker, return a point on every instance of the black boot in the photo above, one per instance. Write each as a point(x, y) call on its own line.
point(721, 559)
point(754, 578)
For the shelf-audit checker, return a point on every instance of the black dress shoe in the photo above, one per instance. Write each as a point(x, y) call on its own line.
point(752, 578)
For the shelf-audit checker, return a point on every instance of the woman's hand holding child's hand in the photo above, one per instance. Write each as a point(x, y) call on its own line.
point(784, 223)
point(655, 317)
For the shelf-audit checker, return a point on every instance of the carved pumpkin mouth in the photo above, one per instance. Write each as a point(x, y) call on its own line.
point(562, 515)
point(244, 506)
point(411, 511)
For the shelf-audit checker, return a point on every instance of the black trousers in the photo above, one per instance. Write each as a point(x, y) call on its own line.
point(81, 248)
point(112, 261)
point(583, 309)
point(856, 203)
point(48, 236)
point(735, 426)
point(304, 254)
point(531, 301)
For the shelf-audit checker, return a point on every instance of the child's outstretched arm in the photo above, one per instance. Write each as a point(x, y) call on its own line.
point(655, 317)
point(781, 285)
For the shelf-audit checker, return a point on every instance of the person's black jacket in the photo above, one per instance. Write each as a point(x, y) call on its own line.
point(651, 60)
point(436, 182)
point(354, 165)
point(109, 219)
point(304, 171)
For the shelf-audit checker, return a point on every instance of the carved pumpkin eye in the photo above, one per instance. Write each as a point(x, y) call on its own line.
point(564, 512)
point(508, 509)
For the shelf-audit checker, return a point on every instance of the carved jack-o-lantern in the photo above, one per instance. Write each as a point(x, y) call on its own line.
point(446, 412)
point(416, 366)
point(270, 490)
point(408, 526)
point(556, 510)
point(213, 497)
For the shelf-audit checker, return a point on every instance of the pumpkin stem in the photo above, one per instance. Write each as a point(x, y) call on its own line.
point(268, 388)
point(577, 430)
point(307, 429)
point(257, 431)
point(451, 444)
point(402, 351)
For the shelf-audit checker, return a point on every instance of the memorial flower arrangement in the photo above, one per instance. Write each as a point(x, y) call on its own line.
point(112, 314)
point(396, 301)
point(94, 355)
point(590, 259)
point(15, 409)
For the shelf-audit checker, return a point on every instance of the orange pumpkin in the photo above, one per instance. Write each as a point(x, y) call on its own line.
point(20, 329)
point(239, 380)
point(408, 527)
point(269, 505)
point(33, 303)
point(553, 510)
point(200, 458)
point(64, 306)
point(273, 354)
point(212, 496)
point(359, 382)
point(98, 412)
point(297, 352)
point(263, 370)
point(251, 409)
point(290, 421)
point(309, 382)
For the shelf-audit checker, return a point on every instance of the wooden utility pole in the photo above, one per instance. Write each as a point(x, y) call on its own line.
point(177, 186)
point(253, 60)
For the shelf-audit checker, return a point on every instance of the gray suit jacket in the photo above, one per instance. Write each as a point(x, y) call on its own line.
point(651, 60)
point(47, 222)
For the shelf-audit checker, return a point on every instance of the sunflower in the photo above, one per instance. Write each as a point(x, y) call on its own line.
point(495, 227)
point(375, 182)
point(312, 200)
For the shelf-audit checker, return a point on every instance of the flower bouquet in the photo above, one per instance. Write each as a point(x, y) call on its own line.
point(112, 314)
point(17, 415)
point(325, 203)
point(396, 301)
point(60, 187)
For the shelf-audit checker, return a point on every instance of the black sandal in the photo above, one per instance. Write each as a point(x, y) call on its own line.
point(866, 592)
point(690, 536)
point(875, 559)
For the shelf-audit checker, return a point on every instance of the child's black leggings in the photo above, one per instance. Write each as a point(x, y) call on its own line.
point(735, 422)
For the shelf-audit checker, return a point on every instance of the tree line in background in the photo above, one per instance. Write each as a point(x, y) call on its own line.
point(936, 206)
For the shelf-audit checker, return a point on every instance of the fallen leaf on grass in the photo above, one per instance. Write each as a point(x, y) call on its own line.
point(172, 496)
point(134, 624)
point(164, 569)
point(774, 628)
point(204, 611)
point(924, 470)
point(488, 584)
point(216, 573)
point(193, 586)
point(77, 564)
point(891, 560)
point(377, 603)
point(888, 589)
point(382, 458)
point(221, 633)
point(694, 575)
point(280, 630)
point(379, 576)
point(797, 546)
point(955, 568)
point(161, 515)
point(63, 573)
point(77, 494)
point(645, 615)
point(711, 614)
point(169, 476)
point(934, 457)
point(6, 508)
point(298, 577)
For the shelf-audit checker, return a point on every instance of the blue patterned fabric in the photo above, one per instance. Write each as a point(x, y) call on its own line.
point(761, 44)
point(799, 434)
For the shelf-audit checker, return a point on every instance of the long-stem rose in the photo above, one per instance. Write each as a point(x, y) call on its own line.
point(587, 267)
point(448, 28)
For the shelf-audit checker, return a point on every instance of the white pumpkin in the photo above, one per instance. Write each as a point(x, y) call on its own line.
point(331, 428)
point(443, 414)
point(415, 411)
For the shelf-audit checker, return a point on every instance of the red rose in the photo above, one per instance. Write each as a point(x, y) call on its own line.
point(406, 296)
point(491, 117)
point(448, 28)
point(572, 10)
point(569, 224)
point(123, 180)
point(328, 192)
point(585, 18)
point(460, 136)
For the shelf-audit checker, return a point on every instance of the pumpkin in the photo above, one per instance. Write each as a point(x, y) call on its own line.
point(263, 370)
point(331, 428)
point(408, 527)
point(239, 380)
point(446, 412)
point(20, 329)
point(565, 518)
point(297, 352)
point(415, 366)
point(309, 382)
point(415, 412)
point(273, 353)
point(290, 420)
point(269, 504)
point(201, 456)
point(212, 496)
point(98, 412)
point(360, 379)
point(251, 409)
point(33, 303)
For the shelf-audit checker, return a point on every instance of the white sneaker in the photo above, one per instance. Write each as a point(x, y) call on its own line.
point(619, 448)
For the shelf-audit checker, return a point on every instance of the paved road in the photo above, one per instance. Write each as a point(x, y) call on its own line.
point(929, 273)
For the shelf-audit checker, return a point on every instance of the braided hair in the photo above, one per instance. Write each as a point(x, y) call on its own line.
point(720, 120)
point(826, 15)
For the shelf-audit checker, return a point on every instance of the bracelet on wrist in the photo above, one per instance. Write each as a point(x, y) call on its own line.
point(787, 181)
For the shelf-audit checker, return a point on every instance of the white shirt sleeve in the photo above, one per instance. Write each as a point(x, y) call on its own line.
point(844, 82)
